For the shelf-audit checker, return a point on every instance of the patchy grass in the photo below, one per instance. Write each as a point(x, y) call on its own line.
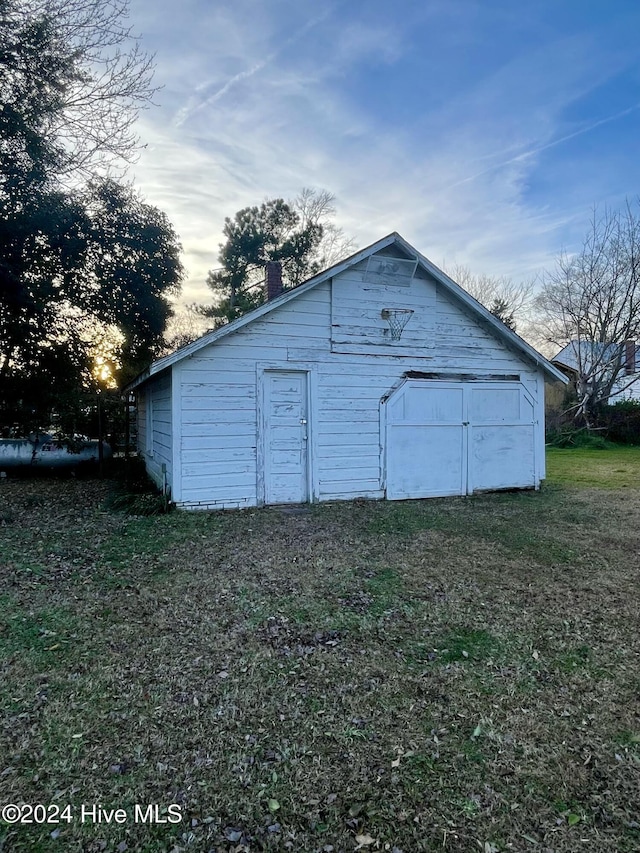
point(615, 467)
point(457, 674)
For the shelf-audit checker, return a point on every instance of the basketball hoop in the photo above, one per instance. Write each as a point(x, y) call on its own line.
point(397, 318)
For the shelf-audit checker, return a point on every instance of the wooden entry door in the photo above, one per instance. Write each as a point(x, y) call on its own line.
point(285, 437)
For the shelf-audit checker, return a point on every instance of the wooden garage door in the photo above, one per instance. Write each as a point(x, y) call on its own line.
point(501, 437)
point(454, 438)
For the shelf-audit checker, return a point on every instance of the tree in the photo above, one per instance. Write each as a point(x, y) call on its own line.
point(89, 278)
point(501, 309)
point(319, 206)
point(185, 326)
point(73, 79)
point(133, 268)
point(298, 234)
point(86, 267)
point(504, 298)
point(43, 243)
point(592, 300)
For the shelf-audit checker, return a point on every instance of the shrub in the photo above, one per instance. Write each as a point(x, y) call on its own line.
point(134, 492)
point(570, 436)
point(621, 422)
point(140, 504)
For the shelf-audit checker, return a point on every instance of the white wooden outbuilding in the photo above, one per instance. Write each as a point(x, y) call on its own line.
point(313, 396)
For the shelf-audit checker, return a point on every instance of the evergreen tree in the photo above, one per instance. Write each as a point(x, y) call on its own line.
point(298, 234)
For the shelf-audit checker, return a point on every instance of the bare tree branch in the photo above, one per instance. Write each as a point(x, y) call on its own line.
point(88, 85)
point(504, 297)
point(590, 304)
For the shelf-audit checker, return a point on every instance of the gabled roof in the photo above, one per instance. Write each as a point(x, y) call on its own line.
point(394, 239)
point(593, 354)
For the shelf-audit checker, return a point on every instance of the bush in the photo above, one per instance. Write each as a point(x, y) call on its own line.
point(140, 504)
point(577, 437)
point(134, 492)
point(621, 422)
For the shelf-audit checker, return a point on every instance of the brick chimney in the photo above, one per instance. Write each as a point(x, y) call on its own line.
point(273, 279)
point(629, 357)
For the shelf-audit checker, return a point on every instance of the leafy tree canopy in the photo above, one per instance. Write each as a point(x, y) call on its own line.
point(133, 269)
point(86, 267)
point(298, 234)
point(84, 274)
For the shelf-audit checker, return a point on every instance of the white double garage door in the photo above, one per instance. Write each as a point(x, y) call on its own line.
point(455, 438)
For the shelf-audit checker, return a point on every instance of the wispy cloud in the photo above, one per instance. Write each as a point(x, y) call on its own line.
point(540, 148)
point(450, 157)
point(202, 101)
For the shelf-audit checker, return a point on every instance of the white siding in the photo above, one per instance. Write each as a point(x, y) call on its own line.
point(537, 388)
point(141, 418)
point(218, 390)
point(623, 390)
point(357, 324)
point(154, 428)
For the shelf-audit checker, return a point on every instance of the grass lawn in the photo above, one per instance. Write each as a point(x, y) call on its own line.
point(615, 468)
point(456, 674)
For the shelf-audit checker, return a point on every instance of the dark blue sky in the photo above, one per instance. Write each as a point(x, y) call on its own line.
point(483, 130)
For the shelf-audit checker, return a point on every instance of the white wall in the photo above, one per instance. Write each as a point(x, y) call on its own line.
point(155, 428)
point(632, 392)
point(218, 433)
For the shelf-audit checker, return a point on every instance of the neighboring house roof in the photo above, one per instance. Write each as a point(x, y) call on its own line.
point(586, 355)
point(394, 239)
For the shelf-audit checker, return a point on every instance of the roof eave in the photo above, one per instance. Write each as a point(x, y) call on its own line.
point(228, 329)
point(511, 338)
point(497, 325)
